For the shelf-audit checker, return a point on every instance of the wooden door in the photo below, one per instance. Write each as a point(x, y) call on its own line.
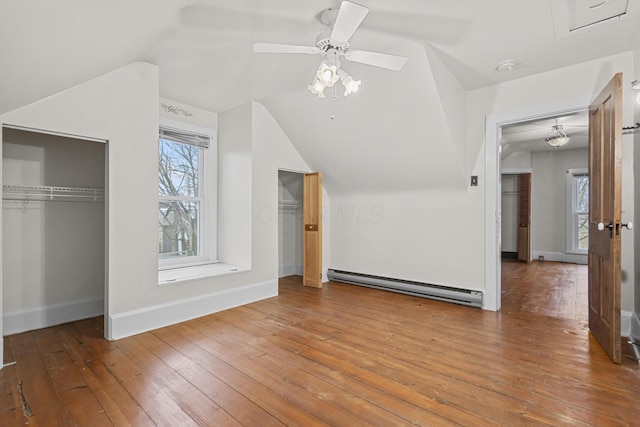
point(605, 193)
point(312, 234)
point(524, 217)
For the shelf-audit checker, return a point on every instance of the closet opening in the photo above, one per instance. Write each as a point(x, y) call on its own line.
point(53, 229)
point(290, 239)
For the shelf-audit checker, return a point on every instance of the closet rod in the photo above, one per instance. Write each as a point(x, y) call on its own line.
point(45, 192)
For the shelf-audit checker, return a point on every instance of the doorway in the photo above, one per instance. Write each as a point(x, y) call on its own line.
point(290, 226)
point(540, 217)
point(53, 229)
point(495, 166)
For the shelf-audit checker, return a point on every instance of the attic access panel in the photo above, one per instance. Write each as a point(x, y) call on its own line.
point(583, 13)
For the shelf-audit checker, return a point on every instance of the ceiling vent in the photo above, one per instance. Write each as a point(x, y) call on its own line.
point(572, 17)
point(583, 13)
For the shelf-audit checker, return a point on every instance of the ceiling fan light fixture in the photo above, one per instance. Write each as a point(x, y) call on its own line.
point(327, 74)
point(350, 85)
point(317, 88)
point(557, 137)
point(636, 86)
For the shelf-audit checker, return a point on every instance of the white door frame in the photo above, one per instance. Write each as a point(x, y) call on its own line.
point(493, 129)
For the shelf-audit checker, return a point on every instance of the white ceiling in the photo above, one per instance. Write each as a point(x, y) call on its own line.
point(529, 136)
point(203, 47)
point(402, 130)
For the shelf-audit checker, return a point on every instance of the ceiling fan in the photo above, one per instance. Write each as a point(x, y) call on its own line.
point(333, 43)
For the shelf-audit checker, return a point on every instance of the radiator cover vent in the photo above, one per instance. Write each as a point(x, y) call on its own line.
point(425, 290)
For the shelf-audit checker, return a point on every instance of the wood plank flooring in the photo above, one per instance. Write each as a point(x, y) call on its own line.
point(340, 356)
point(551, 288)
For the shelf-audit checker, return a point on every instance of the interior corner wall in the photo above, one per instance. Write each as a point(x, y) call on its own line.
point(273, 151)
point(548, 89)
point(252, 148)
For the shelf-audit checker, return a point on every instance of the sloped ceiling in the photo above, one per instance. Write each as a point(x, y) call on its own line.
point(406, 144)
point(402, 130)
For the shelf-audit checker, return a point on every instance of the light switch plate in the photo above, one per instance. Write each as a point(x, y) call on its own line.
point(474, 180)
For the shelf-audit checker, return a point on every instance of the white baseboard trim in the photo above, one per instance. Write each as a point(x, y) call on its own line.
point(16, 322)
point(560, 257)
point(634, 328)
point(146, 319)
point(625, 323)
point(289, 270)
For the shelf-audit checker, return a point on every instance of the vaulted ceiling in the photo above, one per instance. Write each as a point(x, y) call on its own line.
point(403, 125)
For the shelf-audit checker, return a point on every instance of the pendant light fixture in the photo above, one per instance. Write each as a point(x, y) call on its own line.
point(557, 137)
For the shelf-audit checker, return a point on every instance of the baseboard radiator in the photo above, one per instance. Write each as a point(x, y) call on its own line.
point(419, 289)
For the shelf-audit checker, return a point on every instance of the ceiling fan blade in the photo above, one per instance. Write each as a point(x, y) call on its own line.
point(349, 18)
point(383, 60)
point(283, 48)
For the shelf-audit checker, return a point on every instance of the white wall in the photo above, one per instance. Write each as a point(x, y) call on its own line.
point(401, 205)
point(552, 88)
point(520, 161)
point(235, 177)
point(549, 202)
point(53, 265)
point(122, 108)
point(418, 235)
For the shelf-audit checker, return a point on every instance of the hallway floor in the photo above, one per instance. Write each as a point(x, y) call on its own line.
point(550, 288)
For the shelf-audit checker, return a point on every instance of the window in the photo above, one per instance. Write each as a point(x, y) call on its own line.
point(187, 195)
point(577, 211)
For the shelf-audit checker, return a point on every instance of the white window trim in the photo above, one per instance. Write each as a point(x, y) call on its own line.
point(209, 189)
point(571, 221)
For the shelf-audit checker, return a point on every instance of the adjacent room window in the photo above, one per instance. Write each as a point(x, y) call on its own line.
point(577, 211)
point(187, 195)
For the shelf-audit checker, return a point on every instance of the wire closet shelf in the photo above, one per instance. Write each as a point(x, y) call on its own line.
point(52, 193)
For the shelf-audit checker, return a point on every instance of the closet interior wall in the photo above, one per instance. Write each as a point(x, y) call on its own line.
point(509, 216)
point(53, 265)
point(290, 197)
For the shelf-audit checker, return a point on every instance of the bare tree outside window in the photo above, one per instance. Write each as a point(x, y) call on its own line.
point(180, 203)
point(582, 210)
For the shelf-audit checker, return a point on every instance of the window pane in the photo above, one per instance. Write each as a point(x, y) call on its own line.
point(178, 168)
point(582, 199)
point(179, 222)
point(583, 231)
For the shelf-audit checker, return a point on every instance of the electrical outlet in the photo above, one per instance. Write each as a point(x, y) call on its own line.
point(474, 180)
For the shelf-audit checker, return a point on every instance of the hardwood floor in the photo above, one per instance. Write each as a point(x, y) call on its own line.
point(550, 288)
point(341, 356)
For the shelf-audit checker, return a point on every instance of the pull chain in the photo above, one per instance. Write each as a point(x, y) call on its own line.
point(333, 100)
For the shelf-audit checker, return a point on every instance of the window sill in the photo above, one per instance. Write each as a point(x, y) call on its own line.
point(176, 275)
